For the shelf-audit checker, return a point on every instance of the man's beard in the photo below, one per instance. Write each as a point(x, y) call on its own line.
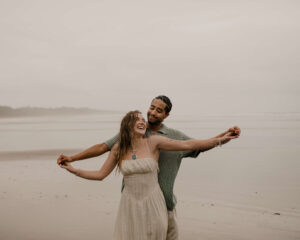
point(154, 123)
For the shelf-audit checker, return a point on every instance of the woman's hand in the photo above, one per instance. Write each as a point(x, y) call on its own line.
point(62, 159)
point(227, 137)
point(234, 131)
point(100, 174)
point(68, 166)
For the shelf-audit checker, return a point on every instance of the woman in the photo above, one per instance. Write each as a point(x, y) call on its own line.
point(142, 211)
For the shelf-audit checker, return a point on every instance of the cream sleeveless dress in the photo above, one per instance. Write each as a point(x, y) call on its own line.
point(142, 211)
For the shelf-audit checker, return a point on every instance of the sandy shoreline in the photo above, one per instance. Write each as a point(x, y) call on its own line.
point(35, 154)
point(45, 202)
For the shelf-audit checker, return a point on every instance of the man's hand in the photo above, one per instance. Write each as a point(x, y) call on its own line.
point(62, 159)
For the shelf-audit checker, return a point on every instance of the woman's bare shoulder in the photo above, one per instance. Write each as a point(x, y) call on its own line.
point(115, 146)
point(156, 139)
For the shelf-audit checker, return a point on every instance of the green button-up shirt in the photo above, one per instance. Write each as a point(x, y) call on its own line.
point(169, 162)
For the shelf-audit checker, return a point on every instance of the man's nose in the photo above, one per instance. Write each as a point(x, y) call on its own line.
point(152, 112)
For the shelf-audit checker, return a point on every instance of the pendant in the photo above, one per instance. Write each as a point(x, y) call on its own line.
point(133, 156)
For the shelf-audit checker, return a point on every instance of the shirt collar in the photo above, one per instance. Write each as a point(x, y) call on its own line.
point(163, 129)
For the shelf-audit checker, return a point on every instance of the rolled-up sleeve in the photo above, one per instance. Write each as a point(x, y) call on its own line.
point(111, 142)
point(189, 153)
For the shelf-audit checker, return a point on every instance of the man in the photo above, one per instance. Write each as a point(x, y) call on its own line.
point(169, 161)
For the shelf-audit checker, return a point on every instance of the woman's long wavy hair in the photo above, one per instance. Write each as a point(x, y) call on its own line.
point(126, 135)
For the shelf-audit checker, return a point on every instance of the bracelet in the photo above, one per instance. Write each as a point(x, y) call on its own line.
point(218, 144)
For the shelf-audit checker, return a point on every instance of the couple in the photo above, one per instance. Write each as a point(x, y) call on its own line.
point(149, 156)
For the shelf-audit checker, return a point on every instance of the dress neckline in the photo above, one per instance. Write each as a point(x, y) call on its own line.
point(138, 159)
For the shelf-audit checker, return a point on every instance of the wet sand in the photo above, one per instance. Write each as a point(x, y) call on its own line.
point(39, 200)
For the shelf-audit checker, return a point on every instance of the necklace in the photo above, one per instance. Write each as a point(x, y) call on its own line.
point(134, 150)
point(133, 156)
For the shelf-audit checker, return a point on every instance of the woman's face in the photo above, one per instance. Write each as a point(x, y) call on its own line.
point(139, 127)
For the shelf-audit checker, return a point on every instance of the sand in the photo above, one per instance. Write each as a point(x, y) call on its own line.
point(39, 200)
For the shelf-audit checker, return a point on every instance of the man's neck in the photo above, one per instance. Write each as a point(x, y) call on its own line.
point(154, 127)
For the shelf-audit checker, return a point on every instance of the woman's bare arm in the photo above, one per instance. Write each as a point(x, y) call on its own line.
point(167, 144)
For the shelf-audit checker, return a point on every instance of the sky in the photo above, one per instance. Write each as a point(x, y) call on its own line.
point(208, 56)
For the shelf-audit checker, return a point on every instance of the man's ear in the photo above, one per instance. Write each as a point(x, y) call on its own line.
point(167, 115)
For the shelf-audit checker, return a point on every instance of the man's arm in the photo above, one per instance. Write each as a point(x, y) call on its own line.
point(188, 153)
point(91, 152)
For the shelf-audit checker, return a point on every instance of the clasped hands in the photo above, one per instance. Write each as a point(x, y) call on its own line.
point(231, 133)
point(234, 131)
point(65, 162)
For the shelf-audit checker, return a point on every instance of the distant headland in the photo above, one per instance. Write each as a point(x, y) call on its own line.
point(7, 112)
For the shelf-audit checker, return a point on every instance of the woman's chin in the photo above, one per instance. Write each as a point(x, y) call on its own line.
point(139, 133)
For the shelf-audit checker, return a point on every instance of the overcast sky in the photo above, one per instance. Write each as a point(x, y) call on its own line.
point(207, 56)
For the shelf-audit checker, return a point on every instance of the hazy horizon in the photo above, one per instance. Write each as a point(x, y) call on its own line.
point(208, 57)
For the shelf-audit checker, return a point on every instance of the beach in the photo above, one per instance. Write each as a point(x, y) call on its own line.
point(247, 189)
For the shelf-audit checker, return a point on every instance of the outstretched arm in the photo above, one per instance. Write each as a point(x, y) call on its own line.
point(234, 131)
point(167, 144)
point(100, 174)
point(93, 151)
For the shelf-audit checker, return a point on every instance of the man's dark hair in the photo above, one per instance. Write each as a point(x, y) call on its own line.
point(167, 101)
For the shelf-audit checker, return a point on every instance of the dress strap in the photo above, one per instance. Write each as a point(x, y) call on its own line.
point(147, 143)
point(150, 154)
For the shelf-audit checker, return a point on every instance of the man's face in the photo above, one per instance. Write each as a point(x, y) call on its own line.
point(156, 112)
